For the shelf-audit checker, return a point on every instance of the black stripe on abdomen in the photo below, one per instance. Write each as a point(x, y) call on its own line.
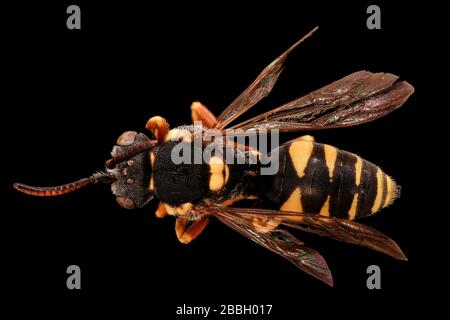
point(367, 189)
point(315, 183)
point(343, 185)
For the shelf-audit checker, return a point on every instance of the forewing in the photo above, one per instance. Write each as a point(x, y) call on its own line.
point(334, 228)
point(282, 243)
point(357, 98)
point(258, 90)
point(346, 231)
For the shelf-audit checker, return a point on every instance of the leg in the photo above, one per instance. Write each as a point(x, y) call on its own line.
point(185, 232)
point(161, 212)
point(201, 113)
point(159, 127)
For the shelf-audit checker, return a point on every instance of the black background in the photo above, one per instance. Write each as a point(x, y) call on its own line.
point(68, 94)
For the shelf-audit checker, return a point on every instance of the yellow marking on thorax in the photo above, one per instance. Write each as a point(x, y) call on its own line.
point(170, 209)
point(152, 183)
point(294, 202)
point(184, 208)
point(152, 158)
point(352, 211)
point(216, 168)
point(330, 158)
point(216, 165)
point(300, 152)
point(152, 163)
point(377, 204)
point(325, 210)
point(358, 170)
point(179, 134)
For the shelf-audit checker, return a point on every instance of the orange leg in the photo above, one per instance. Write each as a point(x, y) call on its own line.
point(159, 127)
point(201, 113)
point(185, 232)
point(161, 212)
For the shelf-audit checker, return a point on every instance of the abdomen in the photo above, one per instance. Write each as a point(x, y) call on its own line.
point(318, 178)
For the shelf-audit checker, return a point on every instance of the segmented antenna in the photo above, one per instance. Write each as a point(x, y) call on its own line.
point(99, 177)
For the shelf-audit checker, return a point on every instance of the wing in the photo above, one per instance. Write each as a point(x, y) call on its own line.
point(334, 228)
point(357, 98)
point(282, 243)
point(258, 90)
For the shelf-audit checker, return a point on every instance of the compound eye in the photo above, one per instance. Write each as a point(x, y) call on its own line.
point(126, 138)
point(125, 202)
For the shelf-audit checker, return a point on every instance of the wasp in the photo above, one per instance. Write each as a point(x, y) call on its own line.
point(317, 188)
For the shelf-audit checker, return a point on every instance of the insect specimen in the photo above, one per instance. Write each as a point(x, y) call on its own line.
point(317, 188)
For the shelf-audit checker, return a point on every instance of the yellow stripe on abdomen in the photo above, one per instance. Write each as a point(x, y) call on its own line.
point(393, 191)
point(300, 152)
point(293, 203)
point(377, 204)
point(358, 170)
point(330, 158)
point(352, 211)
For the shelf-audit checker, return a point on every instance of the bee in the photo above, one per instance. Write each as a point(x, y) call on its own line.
point(317, 188)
